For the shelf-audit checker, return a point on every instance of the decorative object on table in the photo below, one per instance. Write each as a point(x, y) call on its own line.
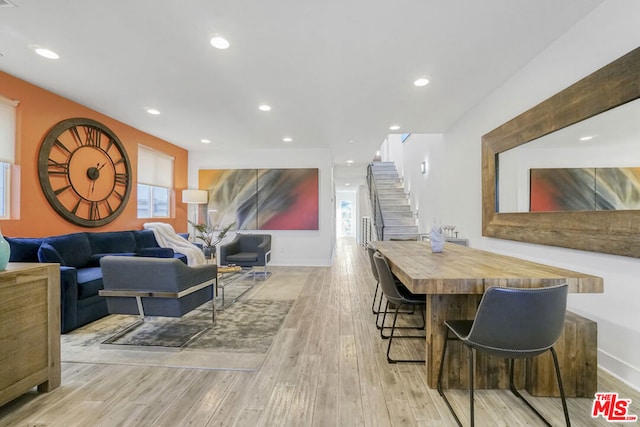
point(206, 232)
point(436, 238)
point(5, 252)
point(94, 188)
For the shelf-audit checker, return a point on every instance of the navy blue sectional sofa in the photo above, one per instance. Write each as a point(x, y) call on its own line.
point(79, 257)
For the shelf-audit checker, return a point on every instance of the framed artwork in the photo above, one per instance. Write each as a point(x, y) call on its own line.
point(261, 199)
point(584, 189)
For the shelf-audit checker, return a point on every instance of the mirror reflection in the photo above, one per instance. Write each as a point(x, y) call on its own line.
point(574, 159)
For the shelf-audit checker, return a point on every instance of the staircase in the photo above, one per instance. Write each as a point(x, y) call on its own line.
point(393, 218)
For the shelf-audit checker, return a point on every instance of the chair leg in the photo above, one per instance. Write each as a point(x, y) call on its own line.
point(471, 375)
point(381, 325)
point(440, 371)
point(392, 336)
point(375, 296)
point(517, 394)
point(560, 387)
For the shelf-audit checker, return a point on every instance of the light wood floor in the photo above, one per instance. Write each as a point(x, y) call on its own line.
point(327, 367)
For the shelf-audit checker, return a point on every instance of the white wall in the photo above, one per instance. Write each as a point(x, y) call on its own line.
point(454, 182)
point(289, 247)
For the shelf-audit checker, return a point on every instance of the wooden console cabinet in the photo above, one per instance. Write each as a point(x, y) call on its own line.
point(29, 329)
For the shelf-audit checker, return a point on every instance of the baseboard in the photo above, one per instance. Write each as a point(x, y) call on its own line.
point(619, 369)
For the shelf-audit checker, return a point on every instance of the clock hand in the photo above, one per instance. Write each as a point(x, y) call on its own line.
point(97, 175)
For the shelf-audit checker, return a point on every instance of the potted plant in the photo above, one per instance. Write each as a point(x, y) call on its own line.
point(205, 233)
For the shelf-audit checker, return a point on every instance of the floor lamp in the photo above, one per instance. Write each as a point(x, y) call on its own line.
point(194, 197)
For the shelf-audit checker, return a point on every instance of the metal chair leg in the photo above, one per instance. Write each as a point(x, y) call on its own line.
point(440, 371)
point(561, 387)
point(392, 336)
point(375, 296)
point(382, 327)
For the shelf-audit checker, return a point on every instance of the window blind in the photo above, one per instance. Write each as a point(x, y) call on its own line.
point(7, 129)
point(154, 167)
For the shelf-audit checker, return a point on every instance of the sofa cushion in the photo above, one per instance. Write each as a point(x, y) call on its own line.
point(47, 253)
point(74, 248)
point(242, 257)
point(157, 252)
point(89, 282)
point(23, 249)
point(112, 242)
point(144, 239)
point(95, 258)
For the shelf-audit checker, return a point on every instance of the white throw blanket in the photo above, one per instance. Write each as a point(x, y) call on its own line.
point(167, 237)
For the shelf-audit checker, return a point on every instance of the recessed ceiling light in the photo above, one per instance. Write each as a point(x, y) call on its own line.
point(49, 54)
point(347, 184)
point(219, 42)
point(350, 141)
point(349, 162)
point(264, 107)
point(421, 81)
point(205, 141)
point(287, 139)
point(394, 127)
point(153, 111)
point(586, 138)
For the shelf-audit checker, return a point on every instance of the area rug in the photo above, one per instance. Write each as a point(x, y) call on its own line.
point(239, 339)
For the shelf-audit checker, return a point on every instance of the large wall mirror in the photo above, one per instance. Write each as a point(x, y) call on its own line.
point(592, 125)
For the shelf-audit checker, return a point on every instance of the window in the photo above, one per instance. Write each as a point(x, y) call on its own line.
point(7, 151)
point(155, 181)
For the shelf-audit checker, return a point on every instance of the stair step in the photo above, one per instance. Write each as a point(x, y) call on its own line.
point(401, 236)
point(407, 221)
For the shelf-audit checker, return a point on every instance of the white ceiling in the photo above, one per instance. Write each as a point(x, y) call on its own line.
point(334, 71)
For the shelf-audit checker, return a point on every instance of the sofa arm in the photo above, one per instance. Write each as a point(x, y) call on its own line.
point(157, 252)
point(68, 298)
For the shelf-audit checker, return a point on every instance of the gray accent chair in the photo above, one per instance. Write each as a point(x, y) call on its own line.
point(155, 286)
point(247, 250)
point(511, 323)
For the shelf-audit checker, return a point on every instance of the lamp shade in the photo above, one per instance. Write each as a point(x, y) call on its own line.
point(194, 196)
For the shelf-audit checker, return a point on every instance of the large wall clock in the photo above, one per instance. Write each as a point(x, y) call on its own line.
point(84, 172)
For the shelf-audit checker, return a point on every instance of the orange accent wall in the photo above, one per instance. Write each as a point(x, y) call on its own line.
point(39, 110)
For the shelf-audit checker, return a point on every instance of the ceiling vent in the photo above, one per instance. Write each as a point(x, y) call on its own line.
point(6, 3)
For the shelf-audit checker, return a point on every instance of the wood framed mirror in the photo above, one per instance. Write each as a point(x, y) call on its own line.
point(614, 232)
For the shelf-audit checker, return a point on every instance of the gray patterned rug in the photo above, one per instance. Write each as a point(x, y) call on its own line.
point(239, 339)
point(244, 327)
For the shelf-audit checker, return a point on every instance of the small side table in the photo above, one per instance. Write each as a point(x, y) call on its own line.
point(222, 270)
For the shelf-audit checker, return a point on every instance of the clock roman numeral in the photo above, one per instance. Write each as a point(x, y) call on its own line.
point(61, 146)
point(94, 211)
point(122, 178)
point(61, 189)
point(76, 136)
point(75, 208)
point(56, 168)
point(93, 136)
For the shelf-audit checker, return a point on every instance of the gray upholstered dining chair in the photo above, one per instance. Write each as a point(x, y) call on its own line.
point(370, 251)
point(401, 297)
point(512, 323)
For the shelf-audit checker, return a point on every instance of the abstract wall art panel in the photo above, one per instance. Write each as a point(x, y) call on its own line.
point(261, 199)
point(584, 189)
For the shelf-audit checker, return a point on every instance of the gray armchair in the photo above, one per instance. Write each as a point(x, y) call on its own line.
point(247, 250)
point(155, 286)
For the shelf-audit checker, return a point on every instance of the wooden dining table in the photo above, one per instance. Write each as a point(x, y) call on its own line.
point(453, 282)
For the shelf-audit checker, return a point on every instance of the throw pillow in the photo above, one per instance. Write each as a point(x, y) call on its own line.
point(47, 253)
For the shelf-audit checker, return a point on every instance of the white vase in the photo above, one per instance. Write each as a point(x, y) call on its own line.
point(5, 252)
